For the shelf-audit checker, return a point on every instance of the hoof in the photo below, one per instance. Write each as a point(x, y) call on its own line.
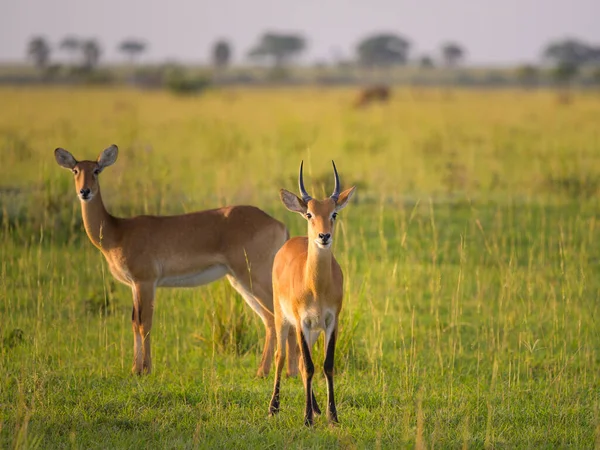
point(333, 419)
point(262, 374)
point(273, 409)
point(143, 371)
point(315, 405)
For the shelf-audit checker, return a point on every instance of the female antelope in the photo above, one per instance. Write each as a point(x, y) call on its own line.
point(146, 252)
point(308, 291)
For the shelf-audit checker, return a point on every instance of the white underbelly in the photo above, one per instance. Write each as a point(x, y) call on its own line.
point(193, 279)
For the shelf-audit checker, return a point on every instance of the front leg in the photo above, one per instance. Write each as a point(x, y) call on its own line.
point(294, 357)
point(143, 311)
point(315, 405)
point(308, 370)
point(330, 338)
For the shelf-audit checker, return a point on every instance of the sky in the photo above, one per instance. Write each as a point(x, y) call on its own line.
point(499, 32)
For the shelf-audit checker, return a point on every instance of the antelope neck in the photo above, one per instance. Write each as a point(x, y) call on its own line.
point(97, 221)
point(318, 266)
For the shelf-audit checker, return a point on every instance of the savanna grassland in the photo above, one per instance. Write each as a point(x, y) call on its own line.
point(470, 253)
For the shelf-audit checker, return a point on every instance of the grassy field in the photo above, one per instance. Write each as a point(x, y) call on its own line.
point(470, 257)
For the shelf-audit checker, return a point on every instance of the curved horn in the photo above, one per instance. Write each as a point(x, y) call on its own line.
point(336, 189)
point(305, 196)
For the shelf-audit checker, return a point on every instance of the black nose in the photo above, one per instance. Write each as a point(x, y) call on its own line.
point(324, 236)
point(85, 192)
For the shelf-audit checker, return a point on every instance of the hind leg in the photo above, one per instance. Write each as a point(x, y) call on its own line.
point(282, 329)
point(293, 352)
point(311, 341)
point(268, 320)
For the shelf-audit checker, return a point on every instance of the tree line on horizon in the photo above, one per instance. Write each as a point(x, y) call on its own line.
point(84, 53)
point(378, 50)
point(383, 49)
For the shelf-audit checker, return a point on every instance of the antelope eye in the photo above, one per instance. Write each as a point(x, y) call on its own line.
point(75, 171)
point(96, 171)
point(334, 215)
point(308, 215)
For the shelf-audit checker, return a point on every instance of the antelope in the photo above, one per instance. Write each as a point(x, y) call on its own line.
point(147, 252)
point(308, 292)
point(372, 94)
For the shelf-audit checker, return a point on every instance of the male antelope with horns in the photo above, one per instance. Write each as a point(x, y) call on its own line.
point(308, 291)
point(146, 252)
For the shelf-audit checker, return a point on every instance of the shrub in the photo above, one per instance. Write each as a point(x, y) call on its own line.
point(180, 83)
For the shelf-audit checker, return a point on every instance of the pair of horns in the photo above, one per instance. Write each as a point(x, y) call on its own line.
point(336, 190)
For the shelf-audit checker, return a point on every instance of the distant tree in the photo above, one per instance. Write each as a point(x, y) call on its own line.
point(383, 49)
point(91, 52)
point(221, 54)
point(39, 50)
point(71, 45)
point(563, 75)
point(278, 47)
point(569, 51)
point(565, 72)
point(132, 48)
point(594, 57)
point(452, 53)
point(595, 77)
point(426, 62)
point(527, 75)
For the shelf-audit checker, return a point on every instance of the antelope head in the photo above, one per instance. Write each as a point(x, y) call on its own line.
point(320, 214)
point(86, 172)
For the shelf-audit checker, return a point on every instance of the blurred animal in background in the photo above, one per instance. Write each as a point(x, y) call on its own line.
point(372, 94)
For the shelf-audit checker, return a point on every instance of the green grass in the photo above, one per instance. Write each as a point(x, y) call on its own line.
point(470, 258)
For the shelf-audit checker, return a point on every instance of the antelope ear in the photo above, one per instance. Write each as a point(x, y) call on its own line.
point(293, 202)
point(344, 197)
point(64, 158)
point(108, 156)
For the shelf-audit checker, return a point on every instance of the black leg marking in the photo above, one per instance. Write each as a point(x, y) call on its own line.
point(280, 358)
point(309, 369)
point(315, 405)
point(274, 406)
point(328, 369)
